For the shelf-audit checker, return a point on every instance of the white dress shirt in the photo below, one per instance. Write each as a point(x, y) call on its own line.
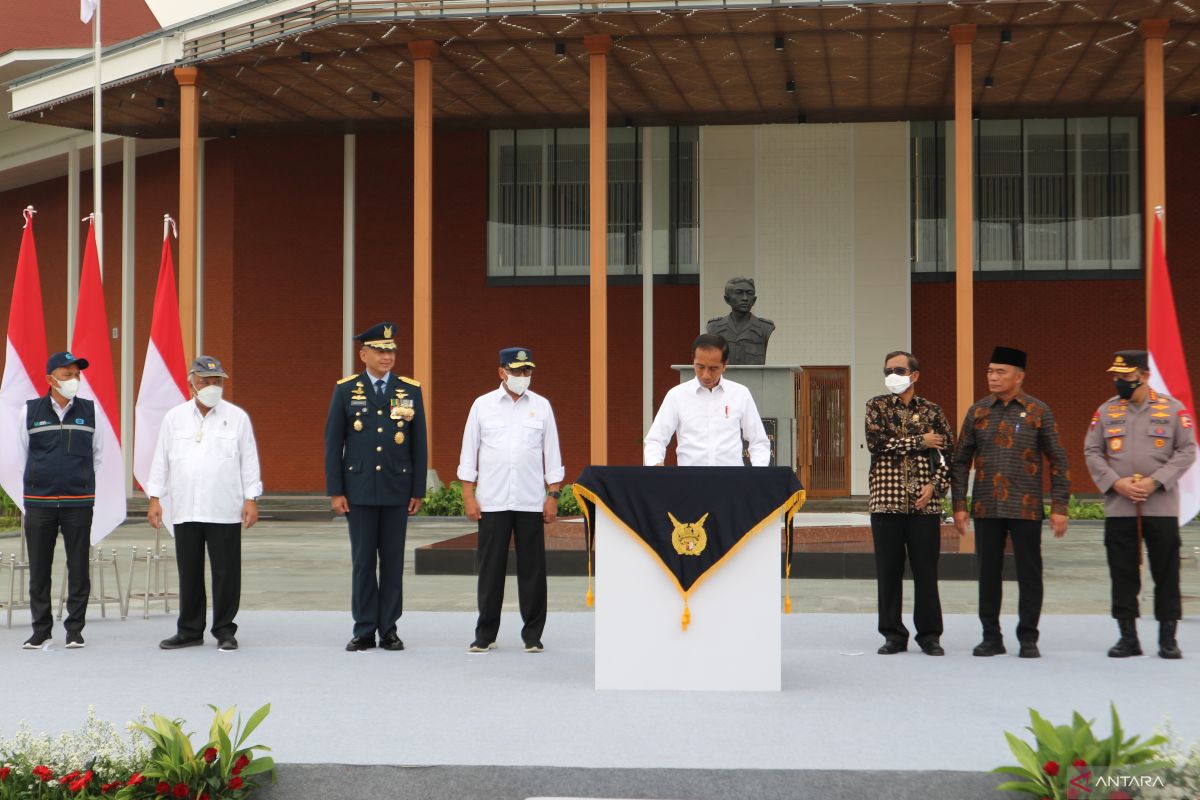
point(61, 411)
point(709, 426)
point(207, 464)
point(510, 451)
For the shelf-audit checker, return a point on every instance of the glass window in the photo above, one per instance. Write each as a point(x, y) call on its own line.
point(1050, 194)
point(538, 217)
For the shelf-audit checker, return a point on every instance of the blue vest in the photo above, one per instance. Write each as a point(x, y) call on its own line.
point(60, 470)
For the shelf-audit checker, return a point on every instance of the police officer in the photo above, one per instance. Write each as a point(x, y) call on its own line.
point(375, 464)
point(61, 452)
point(1140, 443)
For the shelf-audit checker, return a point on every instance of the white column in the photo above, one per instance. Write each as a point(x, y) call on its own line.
point(200, 248)
point(128, 297)
point(647, 278)
point(72, 236)
point(348, 226)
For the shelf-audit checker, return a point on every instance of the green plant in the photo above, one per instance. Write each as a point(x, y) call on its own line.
point(444, 502)
point(225, 767)
point(7, 507)
point(568, 505)
point(1076, 508)
point(1063, 753)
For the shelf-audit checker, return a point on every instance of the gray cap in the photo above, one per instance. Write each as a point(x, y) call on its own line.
point(207, 367)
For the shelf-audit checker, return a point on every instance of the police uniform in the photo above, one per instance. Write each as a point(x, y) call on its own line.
point(375, 456)
point(1157, 439)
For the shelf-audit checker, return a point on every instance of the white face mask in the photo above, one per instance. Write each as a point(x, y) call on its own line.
point(69, 388)
point(517, 384)
point(209, 395)
point(897, 384)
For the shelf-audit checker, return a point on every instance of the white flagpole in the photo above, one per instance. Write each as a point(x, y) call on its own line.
point(97, 160)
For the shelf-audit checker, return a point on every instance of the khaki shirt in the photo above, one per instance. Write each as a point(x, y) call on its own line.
point(1155, 438)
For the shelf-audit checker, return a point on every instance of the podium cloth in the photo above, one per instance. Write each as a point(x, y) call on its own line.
point(691, 520)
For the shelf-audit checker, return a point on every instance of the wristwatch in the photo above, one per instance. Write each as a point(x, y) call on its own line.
point(555, 494)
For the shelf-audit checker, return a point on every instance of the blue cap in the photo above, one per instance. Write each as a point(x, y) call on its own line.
point(514, 357)
point(380, 337)
point(64, 359)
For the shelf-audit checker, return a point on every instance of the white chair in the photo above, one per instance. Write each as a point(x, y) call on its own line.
point(96, 564)
point(16, 563)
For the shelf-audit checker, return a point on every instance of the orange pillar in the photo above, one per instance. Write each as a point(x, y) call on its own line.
point(1154, 141)
point(963, 37)
point(189, 202)
point(598, 48)
point(422, 53)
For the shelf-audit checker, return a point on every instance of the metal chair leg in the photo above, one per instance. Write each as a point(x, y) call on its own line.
point(122, 599)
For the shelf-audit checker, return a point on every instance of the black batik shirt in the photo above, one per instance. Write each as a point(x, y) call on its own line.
point(1006, 442)
point(901, 464)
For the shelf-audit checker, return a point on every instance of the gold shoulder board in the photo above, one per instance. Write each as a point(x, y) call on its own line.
point(347, 378)
point(410, 381)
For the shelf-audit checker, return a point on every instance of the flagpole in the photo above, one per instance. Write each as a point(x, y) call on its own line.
point(1161, 214)
point(97, 160)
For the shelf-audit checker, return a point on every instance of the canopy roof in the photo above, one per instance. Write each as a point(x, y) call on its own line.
point(344, 65)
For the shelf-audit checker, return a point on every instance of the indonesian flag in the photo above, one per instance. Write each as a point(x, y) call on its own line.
point(1168, 368)
point(86, 9)
point(164, 375)
point(91, 340)
point(24, 360)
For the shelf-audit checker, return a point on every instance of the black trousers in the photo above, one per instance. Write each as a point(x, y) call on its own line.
point(990, 536)
point(496, 529)
point(377, 555)
point(1161, 535)
point(42, 525)
point(917, 536)
point(224, 542)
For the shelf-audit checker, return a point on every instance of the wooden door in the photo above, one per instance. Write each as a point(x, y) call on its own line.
point(823, 430)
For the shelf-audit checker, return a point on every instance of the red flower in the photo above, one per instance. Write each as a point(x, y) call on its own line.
point(242, 762)
point(203, 796)
point(43, 772)
point(134, 779)
point(180, 790)
point(4, 773)
point(162, 788)
point(237, 770)
point(1079, 762)
point(210, 755)
point(235, 783)
point(1051, 768)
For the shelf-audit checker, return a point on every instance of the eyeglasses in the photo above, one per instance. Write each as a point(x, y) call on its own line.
point(897, 371)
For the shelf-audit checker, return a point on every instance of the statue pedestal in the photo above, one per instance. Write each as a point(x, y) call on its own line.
point(775, 392)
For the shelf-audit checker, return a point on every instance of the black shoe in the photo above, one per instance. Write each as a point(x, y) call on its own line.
point(360, 643)
point(890, 648)
point(1128, 645)
point(534, 647)
point(1167, 646)
point(227, 645)
point(36, 641)
point(179, 641)
point(75, 641)
point(933, 648)
point(1029, 650)
point(391, 642)
point(989, 647)
point(478, 647)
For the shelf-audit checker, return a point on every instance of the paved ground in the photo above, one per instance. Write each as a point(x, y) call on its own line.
point(306, 566)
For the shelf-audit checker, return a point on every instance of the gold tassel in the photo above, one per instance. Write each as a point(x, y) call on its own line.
point(686, 619)
point(787, 604)
point(591, 598)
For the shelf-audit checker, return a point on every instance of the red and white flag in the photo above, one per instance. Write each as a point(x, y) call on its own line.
point(91, 340)
point(1168, 368)
point(24, 359)
point(164, 375)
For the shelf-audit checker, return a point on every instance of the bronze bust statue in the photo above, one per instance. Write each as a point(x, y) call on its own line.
point(746, 334)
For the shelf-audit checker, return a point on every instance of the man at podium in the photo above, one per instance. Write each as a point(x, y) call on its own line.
point(709, 416)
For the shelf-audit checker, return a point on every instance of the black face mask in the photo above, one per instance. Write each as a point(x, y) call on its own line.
point(1125, 389)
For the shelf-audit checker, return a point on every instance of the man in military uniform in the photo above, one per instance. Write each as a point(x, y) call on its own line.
point(746, 334)
point(1139, 445)
point(375, 463)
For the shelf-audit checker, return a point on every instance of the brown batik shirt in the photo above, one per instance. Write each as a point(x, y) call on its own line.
point(1006, 442)
point(901, 464)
